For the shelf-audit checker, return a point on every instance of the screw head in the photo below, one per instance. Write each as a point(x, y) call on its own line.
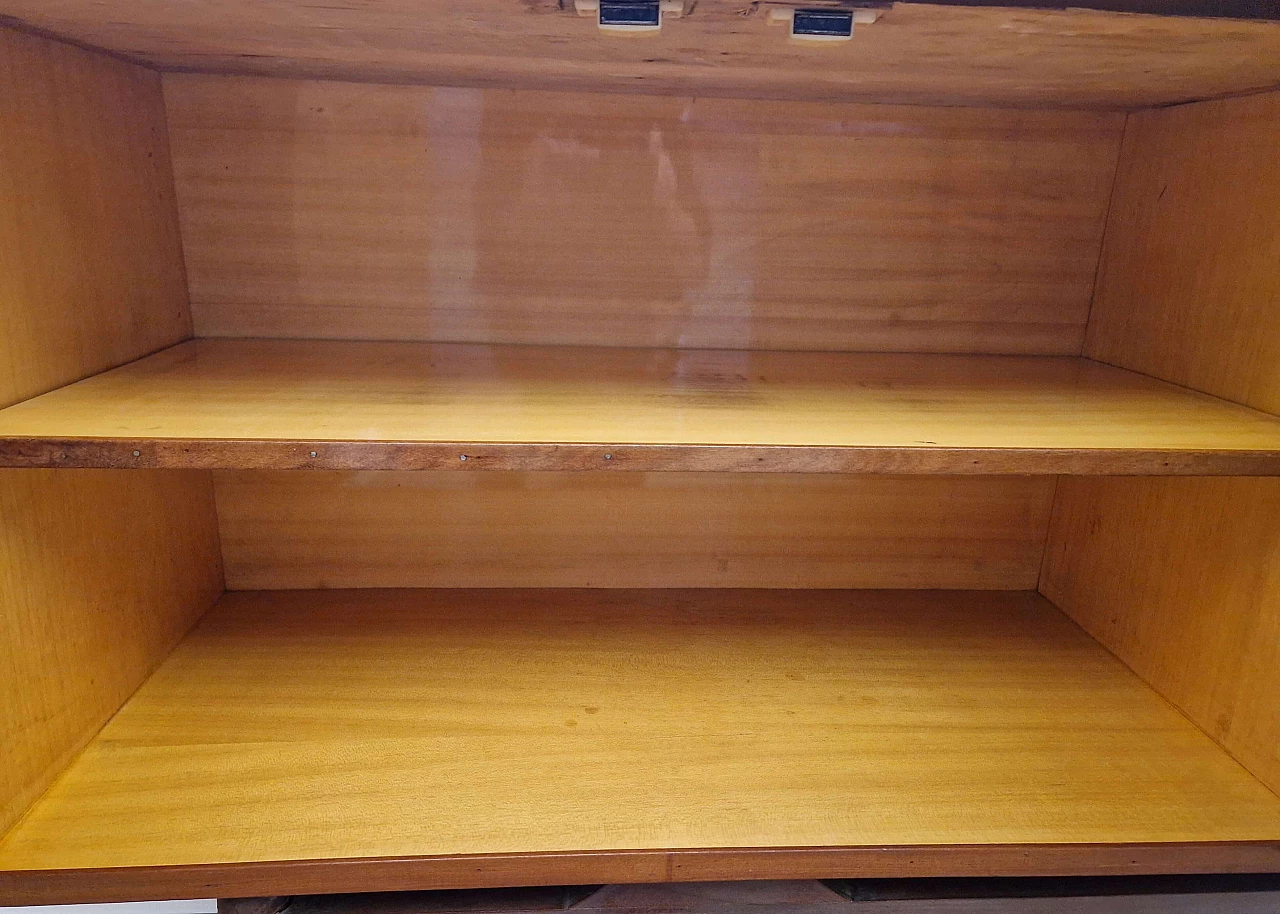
point(462, 457)
point(314, 454)
point(137, 453)
point(608, 456)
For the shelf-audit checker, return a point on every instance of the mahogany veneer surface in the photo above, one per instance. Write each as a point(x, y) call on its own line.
point(916, 53)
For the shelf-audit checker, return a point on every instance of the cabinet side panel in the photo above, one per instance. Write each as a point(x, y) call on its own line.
point(1181, 577)
point(1189, 282)
point(100, 572)
point(314, 209)
point(290, 530)
point(91, 271)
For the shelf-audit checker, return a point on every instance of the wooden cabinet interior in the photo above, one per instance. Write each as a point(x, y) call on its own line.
point(100, 573)
point(608, 721)
point(365, 405)
point(352, 211)
point(254, 324)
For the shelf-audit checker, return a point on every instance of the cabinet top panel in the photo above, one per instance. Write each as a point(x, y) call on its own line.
point(367, 405)
point(914, 53)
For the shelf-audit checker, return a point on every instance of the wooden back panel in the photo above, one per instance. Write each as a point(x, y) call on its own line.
point(100, 573)
point(337, 210)
point(1181, 578)
point(311, 529)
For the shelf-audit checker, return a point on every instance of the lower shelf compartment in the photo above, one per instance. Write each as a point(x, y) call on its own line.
point(324, 741)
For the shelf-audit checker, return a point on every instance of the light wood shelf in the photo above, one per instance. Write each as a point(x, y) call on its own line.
point(360, 405)
point(302, 740)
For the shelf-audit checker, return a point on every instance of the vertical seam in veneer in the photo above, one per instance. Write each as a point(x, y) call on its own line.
point(1048, 535)
point(217, 541)
point(176, 213)
point(1106, 229)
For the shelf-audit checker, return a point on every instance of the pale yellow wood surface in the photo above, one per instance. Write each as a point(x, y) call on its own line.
point(1189, 288)
point(330, 724)
point(100, 573)
point(369, 392)
point(90, 258)
point(914, 53)
point(1181, 578)
point(346, 211)
point(441, 529)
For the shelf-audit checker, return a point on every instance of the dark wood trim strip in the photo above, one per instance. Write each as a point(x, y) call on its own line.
point(1182, 9)
point(277, 454)
point(387, 874)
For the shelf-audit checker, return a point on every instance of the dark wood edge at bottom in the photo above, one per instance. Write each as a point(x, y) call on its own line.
point(276, 454)
point(392, 874)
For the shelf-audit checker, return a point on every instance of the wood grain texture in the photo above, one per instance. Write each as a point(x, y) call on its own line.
point(498, 870)
point(915, 53)
point(346, 211)
point(1181, 578)
point(1189, 288)
point(310, 530)
point(300, 725)
point(922, 460)
point(101, 573)
point(90, 259)
point(453, 398)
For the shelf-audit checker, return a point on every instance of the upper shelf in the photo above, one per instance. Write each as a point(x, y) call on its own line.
point(275, 404)
point(916, 53)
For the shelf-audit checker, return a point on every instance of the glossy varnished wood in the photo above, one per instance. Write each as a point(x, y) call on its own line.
point(100, 573)
point(915, 53)
point(90, 259)
point(448, 401)
point(501, 870)
point(314, 209)
point(1181, 578)
point(434, 529)
point(1189, 288)
point(308, 726)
